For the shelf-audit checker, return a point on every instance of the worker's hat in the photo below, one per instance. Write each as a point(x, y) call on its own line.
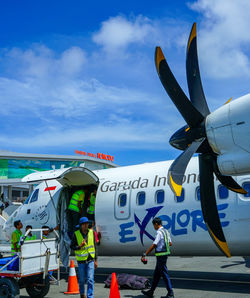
point(83, 220)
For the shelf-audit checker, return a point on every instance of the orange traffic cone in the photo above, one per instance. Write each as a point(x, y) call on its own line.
point(73, 287)
point(114, 290)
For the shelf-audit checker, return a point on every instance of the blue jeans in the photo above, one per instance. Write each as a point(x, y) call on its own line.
point(86, 270)
point(161, 270)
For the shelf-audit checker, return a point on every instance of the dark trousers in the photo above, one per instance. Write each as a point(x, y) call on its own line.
point(161, 270)
point(73, 220)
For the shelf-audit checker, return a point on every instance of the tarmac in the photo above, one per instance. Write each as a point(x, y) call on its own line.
point(194, 277)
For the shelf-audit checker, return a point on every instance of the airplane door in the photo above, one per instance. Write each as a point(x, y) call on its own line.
point(122, 203)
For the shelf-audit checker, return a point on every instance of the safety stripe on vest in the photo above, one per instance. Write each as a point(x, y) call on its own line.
point(167, 252)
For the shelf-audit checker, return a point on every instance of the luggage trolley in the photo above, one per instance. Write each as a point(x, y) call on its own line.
point(31, 268)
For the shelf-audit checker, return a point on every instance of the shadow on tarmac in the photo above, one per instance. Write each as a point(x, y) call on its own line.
point(237, 263)
point(190, 280)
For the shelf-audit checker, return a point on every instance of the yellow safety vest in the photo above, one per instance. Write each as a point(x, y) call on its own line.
point(88, 249)
point(19, 234)
point(92, 204)
point(28, 238)
point(166, 250)
point(76, 197)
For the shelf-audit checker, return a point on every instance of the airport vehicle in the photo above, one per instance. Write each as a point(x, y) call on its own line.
point(30, 268)
point(129, 197)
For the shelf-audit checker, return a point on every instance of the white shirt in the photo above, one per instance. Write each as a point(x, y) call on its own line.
point(160, 240)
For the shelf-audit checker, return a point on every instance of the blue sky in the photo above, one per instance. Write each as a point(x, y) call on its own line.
point(81, 75)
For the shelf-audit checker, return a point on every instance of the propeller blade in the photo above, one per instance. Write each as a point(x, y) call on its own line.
point(196, 92)
point(178, 167)
point(191, 115)
point(208, 203)
point(227, 181)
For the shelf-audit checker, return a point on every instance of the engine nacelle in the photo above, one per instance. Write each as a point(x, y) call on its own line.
point(228, 133)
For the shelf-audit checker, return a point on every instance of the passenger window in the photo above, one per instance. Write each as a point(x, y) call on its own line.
point(181, 197)
point(198, 193)
point(34, 197)
point(246, 186)
point(223, 192)
point(140, 198)
point(159, 196)
point(122, 200)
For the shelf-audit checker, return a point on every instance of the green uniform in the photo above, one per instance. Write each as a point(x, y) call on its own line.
point(88, 249)
point(28, 238)
point(92, 204)
point(77, 196)
point(15, 238)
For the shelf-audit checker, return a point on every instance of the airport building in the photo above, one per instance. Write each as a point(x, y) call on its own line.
point(14, 166)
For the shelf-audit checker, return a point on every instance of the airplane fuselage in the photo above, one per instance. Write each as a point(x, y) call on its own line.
point(129, 197)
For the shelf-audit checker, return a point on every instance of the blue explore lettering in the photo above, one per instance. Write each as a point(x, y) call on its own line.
point(177, 223)
point(125, 231)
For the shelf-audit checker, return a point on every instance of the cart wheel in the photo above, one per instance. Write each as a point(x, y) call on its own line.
point(9, 288)
point(38, 288)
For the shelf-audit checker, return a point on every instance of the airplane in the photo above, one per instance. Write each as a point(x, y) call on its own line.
point(189, 201)
point(127, 200)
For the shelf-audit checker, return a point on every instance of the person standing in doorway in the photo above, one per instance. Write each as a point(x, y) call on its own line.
point(84, 245)
point(161, 245)
point(75, 208)
point(91, 209)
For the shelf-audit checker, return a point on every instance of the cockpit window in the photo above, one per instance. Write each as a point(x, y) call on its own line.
point(27, 200)
point(34, 197)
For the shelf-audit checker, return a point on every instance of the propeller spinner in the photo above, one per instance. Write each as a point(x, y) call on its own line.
point(192, 139)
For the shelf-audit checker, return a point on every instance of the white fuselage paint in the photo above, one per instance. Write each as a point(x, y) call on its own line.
point(228, 132)
point(119, 226)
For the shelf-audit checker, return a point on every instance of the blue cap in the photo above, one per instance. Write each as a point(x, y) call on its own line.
point(83, 220)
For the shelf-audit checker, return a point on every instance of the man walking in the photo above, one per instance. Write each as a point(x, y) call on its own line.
point(84, 245)
point(161, 245)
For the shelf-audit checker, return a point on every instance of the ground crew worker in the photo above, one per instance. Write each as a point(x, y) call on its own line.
point(84, 245)
point(75, 208)
point(161, 245)
point(29, 236)
point(91, 209)
point(16, 236)
point(48, 232)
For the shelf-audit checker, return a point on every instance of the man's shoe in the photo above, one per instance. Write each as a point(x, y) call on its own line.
point(83, 296)
point(148, 293)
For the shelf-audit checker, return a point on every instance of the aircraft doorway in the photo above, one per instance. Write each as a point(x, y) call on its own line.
point(71, 179)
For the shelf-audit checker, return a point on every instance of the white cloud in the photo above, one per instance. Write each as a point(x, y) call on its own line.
point(118, 32)
point(59, 101)
point(41, 62)
point(131, 135)
point(223, 38)
point(72, 60)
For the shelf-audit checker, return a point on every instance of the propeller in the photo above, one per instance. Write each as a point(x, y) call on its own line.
point(192, 138)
